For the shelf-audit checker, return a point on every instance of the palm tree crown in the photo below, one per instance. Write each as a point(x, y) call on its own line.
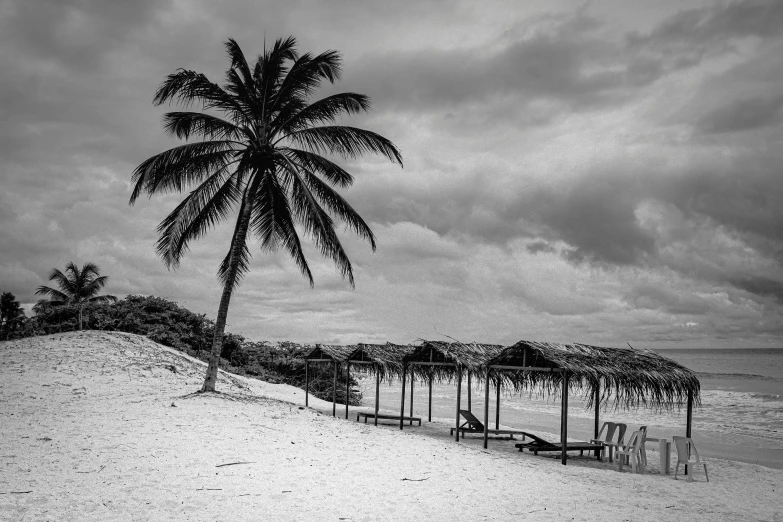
point(261, 156)
point(77, 287)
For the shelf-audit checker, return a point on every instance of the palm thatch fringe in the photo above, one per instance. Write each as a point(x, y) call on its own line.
point(626, 378)
point(335, 352)
point(454, 357)
point(387, 359)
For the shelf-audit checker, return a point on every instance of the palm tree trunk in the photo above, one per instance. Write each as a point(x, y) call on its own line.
point(243, 222)
point(80, 316)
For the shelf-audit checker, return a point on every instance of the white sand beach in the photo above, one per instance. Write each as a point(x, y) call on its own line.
point(106, 426)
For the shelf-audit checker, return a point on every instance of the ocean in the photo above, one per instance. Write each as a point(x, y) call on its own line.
point(740, 418)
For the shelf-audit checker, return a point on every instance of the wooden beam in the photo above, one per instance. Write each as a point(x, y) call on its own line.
point(426, 363)
point(320, 360)
point(307, 382)
point(564, 421)
point(469, 392)
point(354, 361)
point(524, 368)
point(689, 423)
point(597, 399)
point(429, 409)
point(334, 391)
point(411, 408)
point(486, 411)
point(497, 405)
point(402, 400)
point(347, 386)
point(377, 395)
point(459, 398)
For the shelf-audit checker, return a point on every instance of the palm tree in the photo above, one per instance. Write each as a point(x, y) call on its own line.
point(78, 287)
point(263, 158)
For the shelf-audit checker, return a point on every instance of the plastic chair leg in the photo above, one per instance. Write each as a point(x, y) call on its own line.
point(705, 473)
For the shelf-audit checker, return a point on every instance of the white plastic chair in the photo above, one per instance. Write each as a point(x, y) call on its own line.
point(605, 437)
point(687, 454)
point(630, 453)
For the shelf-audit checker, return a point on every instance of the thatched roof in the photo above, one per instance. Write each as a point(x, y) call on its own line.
point(628, 377)
point(386, 358)
point(331, 351)
point(470, 358)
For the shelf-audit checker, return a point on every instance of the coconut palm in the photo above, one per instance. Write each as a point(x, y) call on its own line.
point(78, 287)
point(261, 156)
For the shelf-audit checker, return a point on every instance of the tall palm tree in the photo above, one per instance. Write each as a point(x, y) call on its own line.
point(261, 156)
point(78, 287)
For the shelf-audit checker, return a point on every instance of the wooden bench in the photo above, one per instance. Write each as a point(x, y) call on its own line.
point(383, 416)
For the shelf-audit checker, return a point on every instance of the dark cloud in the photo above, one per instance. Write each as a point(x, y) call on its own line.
point(684, 39)
point(762, 286)
point(743, 114)
point(540, 66)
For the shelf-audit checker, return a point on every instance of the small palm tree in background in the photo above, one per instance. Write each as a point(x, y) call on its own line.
point(263, 158)
point(77, 287)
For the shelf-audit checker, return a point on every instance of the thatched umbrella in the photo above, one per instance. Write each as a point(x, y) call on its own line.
point(330, 353)
point(633, 377)
point(444, 361)
point(385, 361)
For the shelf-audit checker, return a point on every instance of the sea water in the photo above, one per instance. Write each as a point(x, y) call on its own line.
point(740, 416)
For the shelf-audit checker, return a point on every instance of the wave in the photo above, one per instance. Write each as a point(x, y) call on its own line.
point(715, 375)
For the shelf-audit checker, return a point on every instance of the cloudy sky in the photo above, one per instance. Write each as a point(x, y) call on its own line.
point(603, 172)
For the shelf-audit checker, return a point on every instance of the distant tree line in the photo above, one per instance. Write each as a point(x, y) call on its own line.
point(169, 324)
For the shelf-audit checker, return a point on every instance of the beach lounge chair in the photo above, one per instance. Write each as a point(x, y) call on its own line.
point(537, 445)
point(687, 454)
point(630, 453)
point(473, 425)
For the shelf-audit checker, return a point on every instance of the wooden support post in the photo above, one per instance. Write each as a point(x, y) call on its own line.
point(486, 410)
point(469, 390)
point(411, 408)
point(459, 398)
point(377, 393)
point(564, 420)
point(402, 400)
point(497, 406)
point(307, 383)
point(334, 391)
point(597, 400)
point(429, 408)
point(689, 423)
point(347, 386)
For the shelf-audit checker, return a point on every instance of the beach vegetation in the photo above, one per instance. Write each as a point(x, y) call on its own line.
point(256, 151)
point(11, 315)
point(77, 287)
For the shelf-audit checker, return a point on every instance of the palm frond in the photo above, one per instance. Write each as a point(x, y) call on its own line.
point(184, 124)
point(348, 142)
point(273, 225)
point(318, 224)
point(185, 87)
point(180, 167)
point(54, 295)
point(326, 110)
point(201, 210)
point(316, 192)
point(315, 163)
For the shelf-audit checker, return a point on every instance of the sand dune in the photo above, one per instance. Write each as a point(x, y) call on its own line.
point(105, 426)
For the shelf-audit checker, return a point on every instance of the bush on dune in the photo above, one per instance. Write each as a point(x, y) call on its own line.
point(171, 325)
